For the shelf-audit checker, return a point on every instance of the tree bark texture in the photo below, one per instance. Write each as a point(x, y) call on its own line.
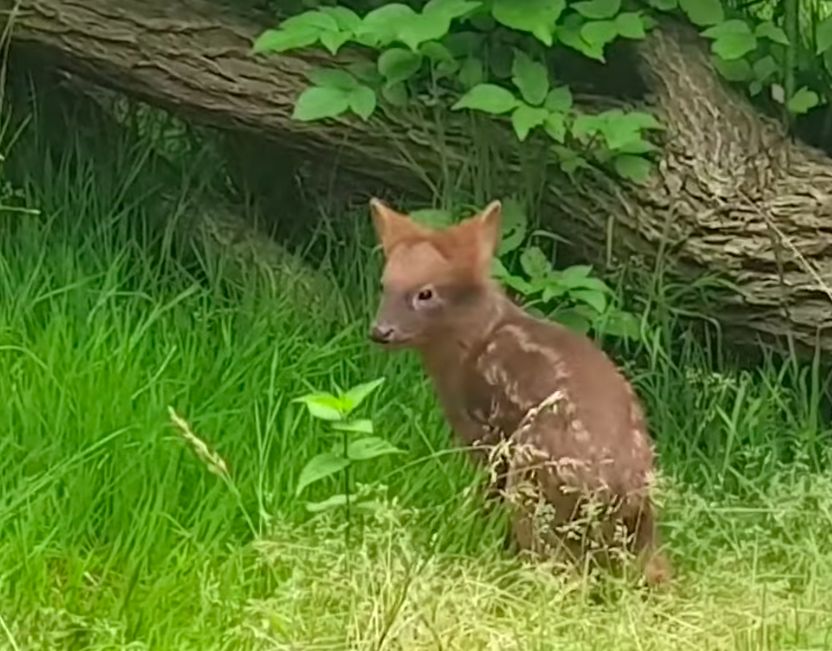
point(732, 195)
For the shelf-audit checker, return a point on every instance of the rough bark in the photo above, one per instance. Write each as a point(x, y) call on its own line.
point(732, 195)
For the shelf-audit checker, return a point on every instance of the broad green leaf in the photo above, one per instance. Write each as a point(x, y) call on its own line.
point(318, 103)
point(333, 78)
point(334, 502)
point(530, 77)
point(323, 406)
point(664, 5)
point(370, 448)
point(734, 46)
point(733, 26)
point(381, 26)
point(621, 324)
point(634, 168)
point(396, 94)
point(316, 20)
point(436, 52)
point(535, 263)
point(538, 17)
point(555, 126)
point(320, 467)
point(359, 393)
point(518, 284)
point(432, 217)
point(333, 41)
point(586, 126)
point(637, 146)
point(514, 224)
point(422, 28)
point(596, 300)
point(772, 32)
point(525, 118)
point(630, 25)
point(574, 319)
point(803, 101)
point(569, 33)
point(363, 102)
point(498, 269)
point(471, 72)
point(450, 8)
point(360, 426)
point(553, 290)
point(346, 19)
point(823, 35)
point(642, 120)
point(278, 40)
point(764, 68)
point(599, 32)
point(736, 70)
point(559, 100)
point(463, 44)
point(703, 12)
point(398, 64)
point(366, 71)
point(569, 159)
point(597, 9)
point(488, 98)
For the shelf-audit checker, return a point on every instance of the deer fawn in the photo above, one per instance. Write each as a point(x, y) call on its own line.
point(543, 404)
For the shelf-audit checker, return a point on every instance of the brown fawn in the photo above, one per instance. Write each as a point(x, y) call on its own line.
point(560, 425)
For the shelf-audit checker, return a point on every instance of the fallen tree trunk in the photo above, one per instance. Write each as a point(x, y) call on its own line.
point(732, 196)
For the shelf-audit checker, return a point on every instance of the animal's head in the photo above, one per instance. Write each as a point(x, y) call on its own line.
point(434, 279)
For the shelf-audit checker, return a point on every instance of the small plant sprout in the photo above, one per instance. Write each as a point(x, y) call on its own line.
point(336, 411)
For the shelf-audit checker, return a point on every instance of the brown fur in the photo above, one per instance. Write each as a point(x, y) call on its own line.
point(544, 405)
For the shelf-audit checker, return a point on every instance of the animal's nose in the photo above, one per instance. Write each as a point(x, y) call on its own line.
point(381, 333)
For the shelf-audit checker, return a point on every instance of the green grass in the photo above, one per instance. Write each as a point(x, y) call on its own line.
point(114, 535)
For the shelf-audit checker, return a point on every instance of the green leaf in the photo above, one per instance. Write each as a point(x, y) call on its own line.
point(596, 300)
point(363, 102)
point(664, 5)
point(370, 448)
point(332, 78)
point(736, 70)
point(597, 9)
point(333, 41)
point(530, 77)
point(434, 218)
point(471, 72)
point(421, 28)
point(637, 146)
point(772, 32)
point(559, 100)
point(733, 26)
point(381, 26)
point(703, 12)
point(360, 426)
point(398, 65)
point(396, 94)
point(634, 168)
point(525, 118)
point(436, 52)
point(514, 224)
point(734, 46)
point(359, 393)
point(599, 33)
point(323, 406)
point(764, 68)
point(555, 126)
point(315, 20)
point(538, 17)
point(488, 98)
point(569, 33)
point(346, 19)
point(574, 319)
point(334, 502)
point(630, 25)
point(569, 159)
point(621, 324)
point(462, 44)
point(823, 35)
point(535, 264)
point(450, 8)
point(803, 101)
point(278, 40)
point(586, 126)
point(318, 103)
point(320, 467)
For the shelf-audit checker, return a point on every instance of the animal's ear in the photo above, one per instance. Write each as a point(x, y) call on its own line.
point(390, 226)
point(490, 223)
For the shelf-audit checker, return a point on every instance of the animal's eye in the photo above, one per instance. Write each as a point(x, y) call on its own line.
point(424, 295)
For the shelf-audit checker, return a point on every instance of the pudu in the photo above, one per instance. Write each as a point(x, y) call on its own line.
point(548, 409)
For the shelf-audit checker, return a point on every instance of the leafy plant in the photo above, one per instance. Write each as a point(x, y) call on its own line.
point(357, 443)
